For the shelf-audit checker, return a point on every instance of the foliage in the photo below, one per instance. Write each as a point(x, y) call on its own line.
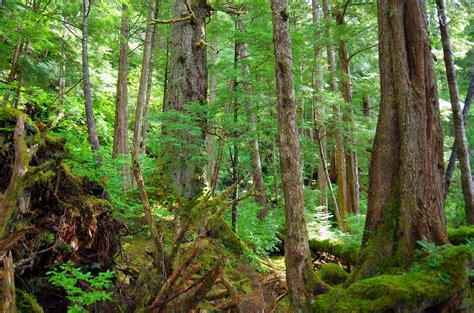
point(82, 289)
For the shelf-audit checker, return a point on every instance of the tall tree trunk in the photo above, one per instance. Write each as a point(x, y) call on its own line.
point(297, 255)
point(210, 137)
point(459, 130)
point(90, 119)
point(320, 130)
point(149, 83)
point(406, 172)
point(275, 171)
point(120, 146)
point(187, 83)
point(339, 152)
point(453, 156)
point(366, 105)
point(144, 74)
point(257, 174)
point(352, 175)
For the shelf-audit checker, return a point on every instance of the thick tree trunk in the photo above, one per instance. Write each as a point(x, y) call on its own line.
point(90, 119)
point(453, 156)
point(297, 254)
point(120, 146)
point(406, 172)
point(459, 130)
point(352, 175)
point(339, 151)
point(257, 173)
point(320, 130)
point(187, 83)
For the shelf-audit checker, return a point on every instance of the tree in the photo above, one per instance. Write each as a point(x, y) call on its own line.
point(462, 151)
point(406, 171)
point(187, 84)
point(297, 255)
point(90, 118)
point(121, 146)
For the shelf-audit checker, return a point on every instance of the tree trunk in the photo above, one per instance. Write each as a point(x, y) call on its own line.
point(352, 175)
point(187, 83)
point(297, 254)
point(453, 156)
point(121, 147)
point(13, 69)
point(210, 137)
point(339, 152)
point(459, 130)
point(9, 297)
point(149, 83)
point(366, 105)
point(90, 119)
point(257, 174)
point(144, 74)
point(406, 172)
point(320, 130)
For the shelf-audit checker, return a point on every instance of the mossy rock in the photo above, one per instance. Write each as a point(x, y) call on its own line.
point(333, 274)
point(413, 291)
point(460, 235)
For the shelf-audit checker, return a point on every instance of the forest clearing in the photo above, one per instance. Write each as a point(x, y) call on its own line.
point(236, 156)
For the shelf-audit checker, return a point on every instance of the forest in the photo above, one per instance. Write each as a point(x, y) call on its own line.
point(236, 156)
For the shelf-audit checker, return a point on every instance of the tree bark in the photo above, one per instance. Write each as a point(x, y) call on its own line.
point(13, 69)
point(257, 173)
point(406, 172)
point(462, 151)
point(320, 130)
point(9, 298)
point(339, 151)
point(210, 137)
point(352, 175)
point(90, 119)
point(187, 83)
point(453, 156)
point(297, 254)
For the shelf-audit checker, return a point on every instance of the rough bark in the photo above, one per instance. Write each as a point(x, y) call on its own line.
point(297, 254)
point(453, 156)
point(257, 173)
point(406, 172)
point(90, 119)
point(120, 145)
point(320, 131)
point(352, 175)
point(9, 298)
point(187, 83)
point(339, 152)
point(462, 151)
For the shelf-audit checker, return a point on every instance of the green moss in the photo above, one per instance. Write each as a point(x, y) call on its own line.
point(407, 292)
point(336, 248)
point(29, 302)
point(460, 235)
point(333, 274)
point(10, 115)
point(218, 228)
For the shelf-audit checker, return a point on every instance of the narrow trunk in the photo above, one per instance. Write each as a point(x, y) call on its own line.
point(257, 174)
point(352, 175)
point(406, 172)
point(459, 130)
point(339, 152)
point(187, 84)
point(149, 83)
point(320, 130)
point(121, 147)
point(275, 171)
point(13, 70)
point(453, 156)
point(299, 272)
point(144, 74)
point(210, 137)
point(366, 105)
point(90, 119)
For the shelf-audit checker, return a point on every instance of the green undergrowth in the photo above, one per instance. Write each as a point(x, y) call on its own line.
point(431, 281)
point(460, 235)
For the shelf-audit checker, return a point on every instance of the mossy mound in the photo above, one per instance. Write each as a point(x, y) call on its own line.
point(333, 274)
point(423, 288)
point(460, 235)
point(348, 254)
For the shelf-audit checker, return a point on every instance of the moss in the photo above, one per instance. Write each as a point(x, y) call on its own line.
point(411, 291)
point(460, 235)
point(218, 228)
point(9, 115)
point(333, 274)
point(30, 302)
point(336, 248)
